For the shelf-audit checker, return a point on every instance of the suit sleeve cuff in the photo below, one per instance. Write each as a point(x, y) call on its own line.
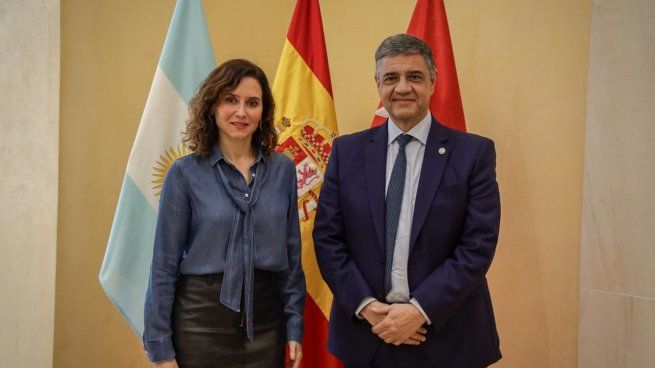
point(420, 309)
point(368, 300)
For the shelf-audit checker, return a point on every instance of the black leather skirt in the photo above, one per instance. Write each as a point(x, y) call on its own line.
point(208, 334)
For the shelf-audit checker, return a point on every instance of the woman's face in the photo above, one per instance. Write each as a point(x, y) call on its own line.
point(239, 112)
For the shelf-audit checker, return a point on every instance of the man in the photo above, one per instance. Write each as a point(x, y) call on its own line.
point(406, 228)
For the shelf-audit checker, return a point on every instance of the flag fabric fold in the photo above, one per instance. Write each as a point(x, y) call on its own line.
point(306, 120)
point(429, 23)
point(185, 61)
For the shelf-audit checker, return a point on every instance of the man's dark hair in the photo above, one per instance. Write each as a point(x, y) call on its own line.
point(404, 44)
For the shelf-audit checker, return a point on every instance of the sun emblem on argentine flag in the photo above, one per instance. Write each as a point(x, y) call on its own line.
point(165, 161)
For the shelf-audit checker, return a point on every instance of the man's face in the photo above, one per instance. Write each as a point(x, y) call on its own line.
point(405, 87)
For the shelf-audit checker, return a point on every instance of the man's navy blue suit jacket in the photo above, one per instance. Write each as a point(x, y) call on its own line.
point(453, 239)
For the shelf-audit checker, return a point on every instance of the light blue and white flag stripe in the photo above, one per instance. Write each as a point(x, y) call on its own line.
point(185, 61)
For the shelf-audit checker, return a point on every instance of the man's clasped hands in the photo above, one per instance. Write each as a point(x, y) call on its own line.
point(397, 323)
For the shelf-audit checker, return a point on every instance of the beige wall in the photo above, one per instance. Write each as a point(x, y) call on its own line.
point(522, 67)
point(617, 277)
point(29, 145)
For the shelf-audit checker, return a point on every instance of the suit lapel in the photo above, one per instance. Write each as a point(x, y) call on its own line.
point(437, 151)
point(375, 162)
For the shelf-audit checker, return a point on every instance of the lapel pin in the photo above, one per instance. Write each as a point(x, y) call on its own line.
point(442, 150)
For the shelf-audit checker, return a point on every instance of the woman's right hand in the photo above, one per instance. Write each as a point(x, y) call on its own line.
point(167, 364)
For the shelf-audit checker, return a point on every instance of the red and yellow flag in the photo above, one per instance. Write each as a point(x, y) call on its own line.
point(306, 121)
point(429, 23)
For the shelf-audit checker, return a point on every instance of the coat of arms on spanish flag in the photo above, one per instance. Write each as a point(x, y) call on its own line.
point(306, 121)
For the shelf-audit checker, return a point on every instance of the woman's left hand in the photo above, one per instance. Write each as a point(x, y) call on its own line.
point(295, 354)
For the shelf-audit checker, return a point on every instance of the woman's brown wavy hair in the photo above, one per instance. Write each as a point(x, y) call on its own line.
point(201, 132)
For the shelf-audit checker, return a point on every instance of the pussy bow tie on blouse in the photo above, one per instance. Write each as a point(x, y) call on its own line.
point(238, 273)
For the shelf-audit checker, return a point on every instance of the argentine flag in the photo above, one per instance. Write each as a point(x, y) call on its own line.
point(185, 61)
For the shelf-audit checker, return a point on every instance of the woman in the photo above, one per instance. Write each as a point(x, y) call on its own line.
point(226, 286)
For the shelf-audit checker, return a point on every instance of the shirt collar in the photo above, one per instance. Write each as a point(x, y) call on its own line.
point(217, 156)
point(419, 132)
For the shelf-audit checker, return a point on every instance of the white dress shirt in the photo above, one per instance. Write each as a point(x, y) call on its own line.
point(414, 151)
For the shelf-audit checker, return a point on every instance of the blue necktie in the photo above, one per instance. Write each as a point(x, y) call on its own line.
point(394, 201)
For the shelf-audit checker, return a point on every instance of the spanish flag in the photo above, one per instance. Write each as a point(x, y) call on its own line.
point(306, 121)
point(429, 23)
